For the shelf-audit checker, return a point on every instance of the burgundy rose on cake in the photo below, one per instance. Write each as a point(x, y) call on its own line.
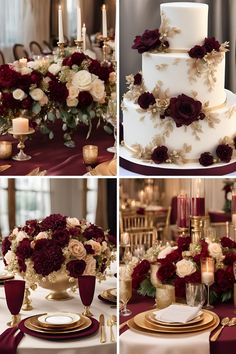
point(58, 244)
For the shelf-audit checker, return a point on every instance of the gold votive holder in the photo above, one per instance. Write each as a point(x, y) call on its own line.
point(79, 45)
point(5, 150)
point(90, 154)
point(21, 137)
point(165, 295)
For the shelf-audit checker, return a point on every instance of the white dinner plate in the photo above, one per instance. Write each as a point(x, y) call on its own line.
point(59, 318)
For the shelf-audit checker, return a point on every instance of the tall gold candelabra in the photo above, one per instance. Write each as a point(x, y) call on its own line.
point(105, 61)
point(197, 225)
point(61, 46)
point(79, 45)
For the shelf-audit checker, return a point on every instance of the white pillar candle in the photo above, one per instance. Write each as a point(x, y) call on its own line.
point(60, 25)
point(23, 61)
point(78, 21)
point(207, 278)
point(84, 37)
point(20, 125)
point(104, 21)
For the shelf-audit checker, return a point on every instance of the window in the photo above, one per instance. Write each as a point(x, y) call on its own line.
point(91, 199)
point(4, 225)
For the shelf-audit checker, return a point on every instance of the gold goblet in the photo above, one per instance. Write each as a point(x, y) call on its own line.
point(125, 295)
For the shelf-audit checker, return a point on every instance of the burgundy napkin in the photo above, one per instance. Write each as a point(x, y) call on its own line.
point(9, 340)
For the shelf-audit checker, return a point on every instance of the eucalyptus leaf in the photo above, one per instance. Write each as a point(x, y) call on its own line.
point(74, 110)
point(51, 116)
point(108, 129)
point(51, 135)
point(36, 108)
point(146, 288)
point(92, 114)
point(227, 296)
point(44, 129)
point(69, 144)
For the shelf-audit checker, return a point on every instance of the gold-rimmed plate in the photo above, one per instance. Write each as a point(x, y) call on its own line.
point(59, 320)
point(112, 292)
point(5, 275)
point(36, 324)
point(107, 296)
point(151, 318)
point(86, 323)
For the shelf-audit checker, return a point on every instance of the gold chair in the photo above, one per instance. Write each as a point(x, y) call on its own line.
point(135, 222)
point(146, 237)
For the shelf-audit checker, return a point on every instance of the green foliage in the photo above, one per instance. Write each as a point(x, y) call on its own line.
point(227, 296)
point(108, 129)
point(51, 116)
point(146, 288)
point(227, 206)
point(36, 108)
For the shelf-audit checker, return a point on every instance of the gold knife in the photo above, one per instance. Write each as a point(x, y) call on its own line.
point(4, 167)
point(102, 329)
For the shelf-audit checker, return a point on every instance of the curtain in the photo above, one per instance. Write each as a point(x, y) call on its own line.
point(111, 206)
point(101, 214)
point(146, 14)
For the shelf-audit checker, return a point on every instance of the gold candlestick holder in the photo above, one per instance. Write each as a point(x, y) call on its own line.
point(27, 301)
point(183, 231)
point(105, 61)
point(197, 225)
point(61, 46)
point(21, 156)
point(79, 46)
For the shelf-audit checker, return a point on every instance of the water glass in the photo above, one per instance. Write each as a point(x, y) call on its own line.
point(195, 294)
point(165, 296)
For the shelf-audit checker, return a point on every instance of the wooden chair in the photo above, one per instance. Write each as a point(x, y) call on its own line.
point(163, 224)
point(48, 48)
point(146, 237)
point(20, 52)
point(135, 222)
point(35, 48)
point(2, 59)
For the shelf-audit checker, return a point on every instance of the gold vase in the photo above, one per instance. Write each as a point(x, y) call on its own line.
point(153, 274)
point(59, 288)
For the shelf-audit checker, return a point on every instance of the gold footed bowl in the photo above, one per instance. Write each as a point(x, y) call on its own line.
point(59, 288)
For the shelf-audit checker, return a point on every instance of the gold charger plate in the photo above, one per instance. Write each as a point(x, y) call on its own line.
point(112, 292)
point(107, 168)
point(28, 324)
point(107, 296)
point(151, 318)
point(208, 320)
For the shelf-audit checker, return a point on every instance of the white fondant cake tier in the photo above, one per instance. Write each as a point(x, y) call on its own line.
point(191, 19)
point(172, 69)
point(141, 128)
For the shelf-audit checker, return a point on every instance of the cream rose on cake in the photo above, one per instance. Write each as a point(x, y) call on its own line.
point(185, 267)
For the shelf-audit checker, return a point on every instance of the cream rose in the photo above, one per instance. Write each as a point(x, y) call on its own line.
point(25, 71)
point(72, 102)
point(104, 246)
point(73, 91)
point(77, 249)
point(98, 90)
point(72, 222)
point(15, 231)
point(43, 101)
point(41, 235)
point(21, 235)
point(112, 77)
point(215, 250)
point(37, 94)
point(167, 250)
point(95, 246)
point(54, 69)
point(19, 94)
point(90, 268)
point(9, 257)
point(82, 80)
point(185, 267)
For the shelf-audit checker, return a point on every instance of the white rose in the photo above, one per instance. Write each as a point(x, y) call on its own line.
point(25, 71)
point(72, 102)
point(19, 94)
point(21, 235)
point(90, 268)
point(54, 69)
point(73, 91)
point(44, 100)
point(33, 65)
point(112, 77)
point(9, 257)
point(82, 80)
point(41, 235)
point(215, 250)
point(104, 246)
point(98, 90)
point(77, 249)
point(185, 267)
point(37, 94)
point(95, 246)
point(167, 250)
point(15, 231)
point(72, 222)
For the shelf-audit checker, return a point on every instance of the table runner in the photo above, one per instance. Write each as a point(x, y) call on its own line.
point(53, 156)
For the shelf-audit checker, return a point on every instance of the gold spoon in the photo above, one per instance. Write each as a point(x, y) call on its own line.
point(110, 324)
point(224, 322)
point(232, 322)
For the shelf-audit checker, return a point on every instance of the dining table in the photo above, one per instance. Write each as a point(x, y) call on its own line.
point(53, 157)
point(132, 342)
point(88, 345)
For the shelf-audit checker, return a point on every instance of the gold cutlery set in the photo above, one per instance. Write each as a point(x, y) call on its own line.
point(110, 323)
point(226, 321)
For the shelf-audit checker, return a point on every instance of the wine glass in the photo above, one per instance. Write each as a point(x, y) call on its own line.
point(86, 285)
point(14, 291)
point(125, 294)
point(195, 294)
point(207, 273)
point(110, 117)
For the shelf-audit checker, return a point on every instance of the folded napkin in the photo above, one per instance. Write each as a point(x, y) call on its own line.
point(9, 340)
point(177, 313)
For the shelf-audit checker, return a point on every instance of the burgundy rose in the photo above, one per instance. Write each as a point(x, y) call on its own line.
point(224, 152)
point(61, 236)
point(76, 268)
point(149, 40)
point(230, 258)
point(53, 222)
point(35, 77)
point(24, 249)
point(160, 154)
point(8, 76)
point(227, 242)
point(194, 277)
point(139, 273)
point(172, 257)
point(138, 79)
point(89, 249)
point(32, 227)
point(111, 239)
point(224, 279)
point(211, 44)
point(166, 271)
point(26, 103)
point(58, 91)
point(8, 101)
point(197, 52)
point(85, 99)
point(184, 243)
point(24, 82)
point(51, 76)
point(21, 264)
point(179, 284)
point(206, 159)
point(67, 62)
point(77, 58)
point(6, 245)
point(184, 110)
point(94, 232)
point(94, 67)
point(146, 99)
point(75, 231)
point(47, 259)
point(42, 243)
point(104, 73)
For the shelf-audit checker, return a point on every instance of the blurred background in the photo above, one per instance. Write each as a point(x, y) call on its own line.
point(26, 21)
point(27, 198)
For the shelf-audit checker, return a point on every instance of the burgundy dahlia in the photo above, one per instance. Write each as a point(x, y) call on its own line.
point(149, 40)
point(24, 82)
point(224, 279)
point(211, 44)
point(139, 273)
point(166, 271)
point(94, 232)
point(76, 268)
point(227, 242)
point(206, 159)
point(146, 100)
point(53, 222)
point(184, 243)
point(21, 264)
point(160, 154)
point(35, 77)
point(94, 67)
point(197, 52)
point(184, 110)
point(6, 245)
point(61, 237)
point(230, 258)
point(32, 227)
point(77, 58)
point(26, 103)
point(47, 259)
point(24, 249)
point(8, 77)
point(58, 91)
point(85, 99)
point(224, 152)
point(8, 101)
point(172, 257)
point(137, 79)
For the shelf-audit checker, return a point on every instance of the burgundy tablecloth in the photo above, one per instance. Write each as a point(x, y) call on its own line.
point(226, 342)
point(216, 216)
point(53, 156)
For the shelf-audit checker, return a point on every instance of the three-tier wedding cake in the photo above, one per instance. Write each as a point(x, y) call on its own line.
point(177, 116)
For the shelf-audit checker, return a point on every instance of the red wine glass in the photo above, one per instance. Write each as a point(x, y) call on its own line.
point(86, 285)
point(14, 291)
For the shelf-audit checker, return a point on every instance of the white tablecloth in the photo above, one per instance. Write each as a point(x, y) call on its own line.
point(90, 345)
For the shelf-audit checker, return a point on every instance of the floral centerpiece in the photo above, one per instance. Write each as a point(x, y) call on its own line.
point(42, 249)
point(75, 89)
point(180, 264)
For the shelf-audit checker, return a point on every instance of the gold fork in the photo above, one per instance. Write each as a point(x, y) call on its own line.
point(110, 323)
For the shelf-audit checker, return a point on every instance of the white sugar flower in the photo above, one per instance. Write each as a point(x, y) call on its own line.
point(19, 94)
point(82, 80)
point(37, 94)
point(185, 267)
point(98, 90)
